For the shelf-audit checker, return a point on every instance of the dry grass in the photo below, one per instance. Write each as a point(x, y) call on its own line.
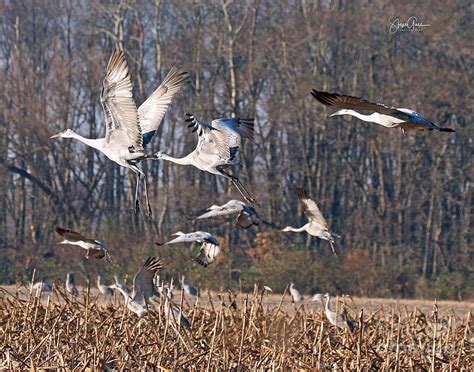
point(228, 331)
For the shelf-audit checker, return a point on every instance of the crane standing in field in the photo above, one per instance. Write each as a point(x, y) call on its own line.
point(93, 247)
point(317, 225)
point(104, 289)
point(70, 287)
point(217, 148)
point(335, 318)
point(296, 296)
point(118, 284)
point(209, 248)
point(188, 288)
point(246, 218)
point(390, 117)
point(129, 130)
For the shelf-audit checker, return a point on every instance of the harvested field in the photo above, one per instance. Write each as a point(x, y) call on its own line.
point(254, 331)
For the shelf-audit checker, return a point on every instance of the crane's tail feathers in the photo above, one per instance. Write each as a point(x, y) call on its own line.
point(443, 129)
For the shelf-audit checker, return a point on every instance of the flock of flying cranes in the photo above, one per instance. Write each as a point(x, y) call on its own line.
point(130, 129)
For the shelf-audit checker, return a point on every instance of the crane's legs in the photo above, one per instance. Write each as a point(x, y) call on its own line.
point(141, 177)
point(238, 185)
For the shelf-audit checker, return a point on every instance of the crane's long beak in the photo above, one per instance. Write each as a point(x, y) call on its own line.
point(56, 135)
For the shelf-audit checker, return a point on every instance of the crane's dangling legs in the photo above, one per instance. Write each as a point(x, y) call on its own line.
point(332, 247)
point(238, 185)
point(140, 177)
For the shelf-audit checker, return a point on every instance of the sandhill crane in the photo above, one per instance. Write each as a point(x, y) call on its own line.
point(208, 250)
point(295, 294)
point(188, 289)
point(70, 287)
point(144, 292)
point(40, 287)
point(94, 248)
point(246, 218)
point(390, 117)
point(337, 319)
point(143, 287)
point(317, 297)
point(129, 130)
point(317, 225)
point(104, 289)
point(119, 284)
point(217, 148)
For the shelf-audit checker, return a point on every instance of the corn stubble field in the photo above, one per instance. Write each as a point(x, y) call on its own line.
point(229, 331)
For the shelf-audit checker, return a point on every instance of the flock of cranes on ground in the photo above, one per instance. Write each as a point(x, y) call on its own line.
point(130, 129)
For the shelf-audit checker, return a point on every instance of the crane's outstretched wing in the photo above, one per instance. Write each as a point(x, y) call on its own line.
point(206, 148)
point(207, 253)
point(73, 236)
point(121, 115)
point(143, 286)
point(229, 133)
point(311, 210)
point(152, 111)
point(353, 103)
point(231, 207)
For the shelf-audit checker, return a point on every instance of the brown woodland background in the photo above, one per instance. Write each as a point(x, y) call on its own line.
point(402, 202)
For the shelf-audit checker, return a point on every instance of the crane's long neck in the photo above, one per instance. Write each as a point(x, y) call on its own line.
point(328, 305)
point(124, 294)
point(295, 229)
point(95, 143)
point(187, 160)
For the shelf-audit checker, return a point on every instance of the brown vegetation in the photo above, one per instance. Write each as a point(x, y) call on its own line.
point(228, 331)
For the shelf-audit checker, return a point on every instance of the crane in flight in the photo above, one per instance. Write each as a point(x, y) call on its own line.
point(144, 293)
point(208, 251)
point(94, 248)
point(247, 216)
point(127, 129)
point(217, 148)
point(317, 224)
point(390, 117)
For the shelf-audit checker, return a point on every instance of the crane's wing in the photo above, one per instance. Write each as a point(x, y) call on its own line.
point(353, 103)
point(234, 206)
point(244, 220)
point(207, 253)
point(73, 235)
point(229, 133)
point(311, 210)
point(152, 111)
point(206, 148)
point(121, 115)
point(143, 286)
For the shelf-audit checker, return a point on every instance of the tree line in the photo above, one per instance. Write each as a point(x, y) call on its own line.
point(402, 202)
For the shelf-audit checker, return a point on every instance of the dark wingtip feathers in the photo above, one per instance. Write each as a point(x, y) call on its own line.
point(247, 127)
point(446, 130)
point(324, 97)
point(153, 263)
point(302, 193)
